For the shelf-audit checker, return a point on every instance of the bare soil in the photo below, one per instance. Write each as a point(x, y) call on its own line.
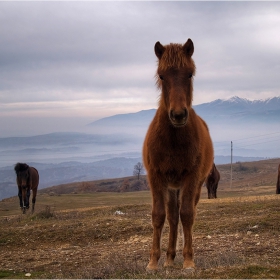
point(236, 237)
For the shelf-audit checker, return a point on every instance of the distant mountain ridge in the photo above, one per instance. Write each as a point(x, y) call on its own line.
point(244, 104)
point(220, 107)
point(136, 119)
point(227, 119)
point(238, 105)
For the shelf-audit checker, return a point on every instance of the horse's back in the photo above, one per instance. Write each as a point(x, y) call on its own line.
point(204, 145)
point(34, 177)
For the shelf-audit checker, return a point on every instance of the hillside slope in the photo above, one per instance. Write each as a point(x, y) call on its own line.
point(245, 175)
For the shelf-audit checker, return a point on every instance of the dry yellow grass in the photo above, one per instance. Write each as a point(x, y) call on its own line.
point(234, 237)
point(108, 235)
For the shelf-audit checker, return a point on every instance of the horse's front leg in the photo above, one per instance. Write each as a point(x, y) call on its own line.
point(158, 219)
point(27, 198)
point(20, 198)
point(23, 200)
point(189, 199)
point(173, 220)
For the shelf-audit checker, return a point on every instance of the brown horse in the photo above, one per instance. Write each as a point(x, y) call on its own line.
point(278, 181)
point(27, 179)
point(177, 152)
point(212, 182)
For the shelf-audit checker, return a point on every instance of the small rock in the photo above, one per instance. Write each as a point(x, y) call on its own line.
point(249, 232)
point(28, 274)
point(208, 237)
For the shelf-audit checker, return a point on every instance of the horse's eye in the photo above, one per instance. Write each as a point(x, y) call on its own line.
point(190, 75)
point(161, 77)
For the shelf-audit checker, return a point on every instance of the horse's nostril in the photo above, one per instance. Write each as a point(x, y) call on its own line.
point(178, 116)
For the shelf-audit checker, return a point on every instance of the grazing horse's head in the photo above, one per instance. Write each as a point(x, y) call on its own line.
point(174, 77)
point(22, 171)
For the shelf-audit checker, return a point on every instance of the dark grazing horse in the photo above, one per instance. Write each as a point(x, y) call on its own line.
point(27, 179)
point(212, 182)
point(278, 181)
point(177, 153)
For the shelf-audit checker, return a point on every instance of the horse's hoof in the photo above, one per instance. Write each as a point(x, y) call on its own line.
point(169, 264)
point(189, 265)
point(151, 268)
point(151, 271)
point(189, 270)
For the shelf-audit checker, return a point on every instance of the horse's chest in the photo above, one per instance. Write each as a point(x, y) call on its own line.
point(174, 159)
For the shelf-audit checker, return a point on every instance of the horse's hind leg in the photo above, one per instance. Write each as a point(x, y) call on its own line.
point(216, 187)
point(173, 219)
point(34, 193)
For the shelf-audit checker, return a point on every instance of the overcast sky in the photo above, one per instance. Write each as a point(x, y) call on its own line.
point(66, 64)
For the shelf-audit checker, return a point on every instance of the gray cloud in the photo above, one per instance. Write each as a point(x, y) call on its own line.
point(101, 53)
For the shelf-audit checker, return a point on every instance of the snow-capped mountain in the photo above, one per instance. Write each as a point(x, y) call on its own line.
point(235, 109)
point(238, 105)
point(228, 120)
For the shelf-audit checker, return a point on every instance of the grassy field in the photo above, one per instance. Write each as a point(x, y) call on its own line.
point(108, 235)
point(10, 206)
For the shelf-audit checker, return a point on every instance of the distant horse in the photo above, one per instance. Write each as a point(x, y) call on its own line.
point(177, 152)
point(212, 182)
point(27, 179)
point(278, 181)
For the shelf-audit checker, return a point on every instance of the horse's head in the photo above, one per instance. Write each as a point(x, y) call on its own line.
point(174, 77)
point(22, 171)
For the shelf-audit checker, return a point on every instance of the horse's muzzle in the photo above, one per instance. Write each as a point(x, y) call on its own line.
point(178, 118)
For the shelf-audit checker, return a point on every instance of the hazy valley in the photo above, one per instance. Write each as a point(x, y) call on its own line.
point(112, 146)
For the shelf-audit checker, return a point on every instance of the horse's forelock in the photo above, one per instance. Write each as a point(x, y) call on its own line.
point(174, 56)
point(21, 167)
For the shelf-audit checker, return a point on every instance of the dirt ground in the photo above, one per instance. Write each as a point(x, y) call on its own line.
point(236, 237)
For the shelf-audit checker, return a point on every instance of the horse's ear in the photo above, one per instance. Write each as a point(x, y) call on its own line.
point(159, 50)
point(188, 48)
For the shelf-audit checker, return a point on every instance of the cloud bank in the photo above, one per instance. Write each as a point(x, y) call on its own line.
point(65, 64)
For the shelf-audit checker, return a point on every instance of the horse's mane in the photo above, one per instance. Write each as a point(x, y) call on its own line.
point(174, 56)
point(21, 167)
